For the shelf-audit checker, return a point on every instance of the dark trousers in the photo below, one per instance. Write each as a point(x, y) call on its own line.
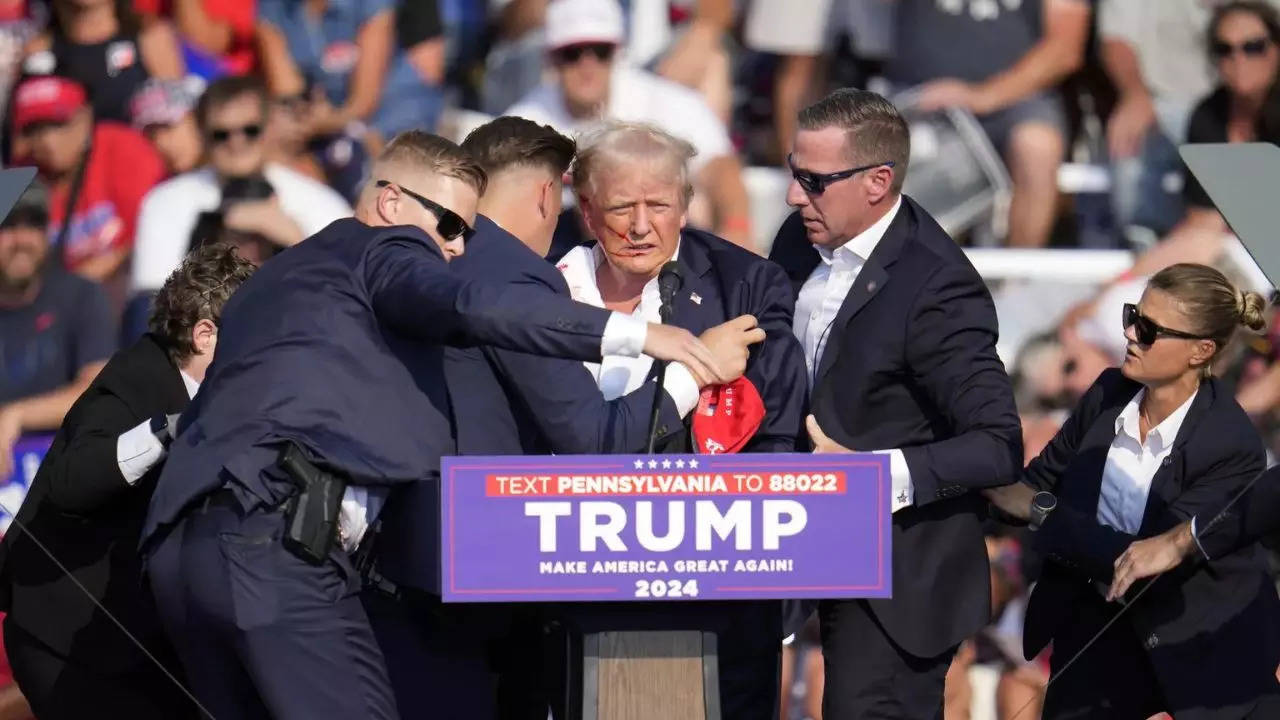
point(68, 688)
point(868, 677)
point(261, 633)
point(478, 661)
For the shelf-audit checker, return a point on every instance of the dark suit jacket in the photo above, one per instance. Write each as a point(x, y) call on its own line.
point(910, 363)
point(83, 511)
point(1210, 630)
point(336, 344)
point(1239, 522)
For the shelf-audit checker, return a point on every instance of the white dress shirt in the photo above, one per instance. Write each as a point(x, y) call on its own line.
point(1132, 463)
point(619, 374)
point(817, 306)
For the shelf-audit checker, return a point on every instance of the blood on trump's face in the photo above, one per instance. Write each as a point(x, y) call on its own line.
point(636, 211)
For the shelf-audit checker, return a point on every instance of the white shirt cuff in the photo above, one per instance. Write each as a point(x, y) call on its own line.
point(904, 493)
point(1195, 536)
point(360, 507)
point(137, 451)
point(624, 335)
point(682, 388)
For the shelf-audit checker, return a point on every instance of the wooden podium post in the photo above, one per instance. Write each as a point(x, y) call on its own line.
point(650, 675)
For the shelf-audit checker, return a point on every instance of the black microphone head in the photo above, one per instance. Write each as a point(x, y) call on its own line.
point(670, 278)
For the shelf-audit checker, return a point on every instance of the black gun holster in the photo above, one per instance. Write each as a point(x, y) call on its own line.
point(311, 514)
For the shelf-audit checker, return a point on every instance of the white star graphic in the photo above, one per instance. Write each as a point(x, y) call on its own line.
point(639, 464)
point(693, 463)
point(653, 464)
point(666, 464)
point(680, 463)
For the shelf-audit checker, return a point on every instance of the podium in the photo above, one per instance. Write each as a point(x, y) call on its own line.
point(593, 531)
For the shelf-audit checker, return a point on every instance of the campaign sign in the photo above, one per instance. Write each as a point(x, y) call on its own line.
point(670, 527)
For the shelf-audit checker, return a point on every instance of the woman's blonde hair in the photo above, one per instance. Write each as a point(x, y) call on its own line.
point(1213, 305)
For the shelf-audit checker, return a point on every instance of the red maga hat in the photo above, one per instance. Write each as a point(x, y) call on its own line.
point(727, 417)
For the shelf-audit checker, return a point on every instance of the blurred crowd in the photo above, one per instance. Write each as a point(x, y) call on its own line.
point(159, 125)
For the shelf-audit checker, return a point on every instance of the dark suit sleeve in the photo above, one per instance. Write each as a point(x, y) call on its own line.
point(777, 366)
point(86, 474)
point(1235, 523)
point(951, 350)
point(1094, 547)
point(413, 292)
point(566, 403)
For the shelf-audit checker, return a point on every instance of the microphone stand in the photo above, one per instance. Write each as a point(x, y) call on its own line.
point(664, 312)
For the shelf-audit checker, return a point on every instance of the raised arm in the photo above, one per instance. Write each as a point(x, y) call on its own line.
point(413, 292)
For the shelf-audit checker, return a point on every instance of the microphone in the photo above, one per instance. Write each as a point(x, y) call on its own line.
point(670, 279)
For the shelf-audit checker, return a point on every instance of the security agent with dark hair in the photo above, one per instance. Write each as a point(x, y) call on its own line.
point(86, 507)
point(504, 402)
point(328, 392)
point(899, 333)
point(1151, 444)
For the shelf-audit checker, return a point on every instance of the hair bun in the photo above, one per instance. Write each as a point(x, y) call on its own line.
point(1251, 307)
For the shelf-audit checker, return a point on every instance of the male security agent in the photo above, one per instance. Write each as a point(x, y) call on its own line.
point(899, 336)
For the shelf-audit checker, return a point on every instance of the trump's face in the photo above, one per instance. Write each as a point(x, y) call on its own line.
point(636, 210)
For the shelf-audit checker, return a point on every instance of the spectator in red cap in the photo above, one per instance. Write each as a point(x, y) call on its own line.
point(97, 174)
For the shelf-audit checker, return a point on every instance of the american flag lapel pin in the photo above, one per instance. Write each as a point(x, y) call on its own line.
point(696, 298)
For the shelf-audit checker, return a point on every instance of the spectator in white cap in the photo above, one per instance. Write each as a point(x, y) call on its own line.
point(162, 110)
point(583, 39)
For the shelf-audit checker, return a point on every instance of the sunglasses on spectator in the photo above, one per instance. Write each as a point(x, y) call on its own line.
point(1254, 47)
point(222, 135)
point(1148, 331)
point(448, 223)
point(816, 183)
point(573, 53)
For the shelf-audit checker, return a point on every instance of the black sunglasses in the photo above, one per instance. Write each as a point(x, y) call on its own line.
point(1147, 331)
point(817, 183)
point(1253, 47)
point(221, 135)
point(448, 223)
point(573, 53)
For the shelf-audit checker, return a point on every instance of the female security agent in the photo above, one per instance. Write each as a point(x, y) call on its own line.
point(86, 508)
point(1150, 445)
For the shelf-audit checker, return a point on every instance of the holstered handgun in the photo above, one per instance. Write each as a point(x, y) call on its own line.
point(311, 515)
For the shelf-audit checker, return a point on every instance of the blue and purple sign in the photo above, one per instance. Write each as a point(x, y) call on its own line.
point(670, 527)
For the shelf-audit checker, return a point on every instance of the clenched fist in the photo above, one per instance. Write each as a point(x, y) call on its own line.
point(730, 342)
point(675, 344)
